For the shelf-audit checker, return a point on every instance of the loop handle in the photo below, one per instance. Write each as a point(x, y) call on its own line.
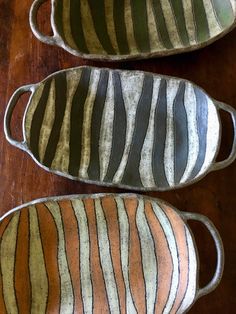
point(219, 250)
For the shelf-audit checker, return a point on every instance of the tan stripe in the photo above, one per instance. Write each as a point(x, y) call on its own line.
point(189, 21)
point(130, 28)
point(67, 24)
point(62, 155)
point(48, 120)
point(8, 250)
point(38, 275)
point(214, 26)
point(110, 23)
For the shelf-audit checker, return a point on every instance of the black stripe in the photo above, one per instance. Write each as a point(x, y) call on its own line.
point(59, 20)
point(180, 134)
point(37, 120)
point(160, 118)
point(76, 122)
point(60, 106)
point(119, 129)
point(99, 103)
point(131, 172)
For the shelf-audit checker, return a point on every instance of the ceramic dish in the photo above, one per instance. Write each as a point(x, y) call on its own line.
point(128, 29)
point(121, 128)
point(101, 254)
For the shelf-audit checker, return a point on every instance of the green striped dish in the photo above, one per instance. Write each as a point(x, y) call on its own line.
point(116, 30)
point(122, 128)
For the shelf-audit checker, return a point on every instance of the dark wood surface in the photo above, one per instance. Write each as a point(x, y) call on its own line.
point(24, 60)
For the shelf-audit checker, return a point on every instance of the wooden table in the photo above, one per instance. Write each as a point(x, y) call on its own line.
point(23, 60)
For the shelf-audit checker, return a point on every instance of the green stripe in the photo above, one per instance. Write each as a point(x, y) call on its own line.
point(37, 120)
point(76, 26)
point(177, 6)
point(202, 27)
point(60, 106)
point(161, 24)
point(99, 20)
point(224, 12)
point(76, 122)
point(140, 24)
point(120, 27)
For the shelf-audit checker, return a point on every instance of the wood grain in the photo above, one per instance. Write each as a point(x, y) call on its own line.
point(24, 60)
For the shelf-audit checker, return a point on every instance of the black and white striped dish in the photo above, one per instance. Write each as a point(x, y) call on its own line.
point(126, 29)
point(121, 128)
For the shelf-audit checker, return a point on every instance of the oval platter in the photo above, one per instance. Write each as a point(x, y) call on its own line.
point(104, 253)
point(129, 29)
point(121, 128)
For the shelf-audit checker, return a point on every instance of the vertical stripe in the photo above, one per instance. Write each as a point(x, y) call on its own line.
point(120, 28)
point(181, 136)
point(131, 174)
point(67, 24)
point(140, 24)
point(111, 216)
point(85, 273)
point(130, 28)
point(76, 121)
point(37, 120)
point(49, 238)
point(100, 301)
point(189, 21)
point(109, 19)
point(105, 257)
point(37, 267)
point(119, 129)
point(213, 24)
point(58, 11)
point(8, 250)
point(224, 12)
point(67, 295)
point(160, 134)
point(60, 106)
point(124, 251)
point(76, 23)
point(99, 102)
point(22, 283)
point(200, 17)
point(72, 248)
point(136, 275)
point(149, 261)
point(100, 26)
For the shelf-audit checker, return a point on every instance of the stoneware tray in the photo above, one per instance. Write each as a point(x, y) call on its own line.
point(121, 128)
point(129, 29)
point(101, 254)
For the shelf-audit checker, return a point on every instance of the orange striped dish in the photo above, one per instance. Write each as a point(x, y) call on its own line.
point(100, 254)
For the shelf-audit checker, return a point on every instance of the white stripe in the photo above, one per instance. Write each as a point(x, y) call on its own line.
point(8, 248)
point(193, 140)
point(170, 237)
point(145, 167)
point(172, 88)
point(149, 261)
point(105, 257)
point(105, 142)
point(37, 267)
point(190, 21)
point(84, 242)
point(124, 251)
point(132, 84)
point(192, 275)
point(214, 26)
point(86, 133)
point(67, 24)
point(67, 297)
point(233, 4)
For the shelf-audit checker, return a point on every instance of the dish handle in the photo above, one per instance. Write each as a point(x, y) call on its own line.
point(222, 164)
point(219, 250)
point(51, 40)
point(9, 111)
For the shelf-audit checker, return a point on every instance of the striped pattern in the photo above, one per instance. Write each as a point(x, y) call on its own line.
point(123, 128)
point(129, 27)
point(107, 254)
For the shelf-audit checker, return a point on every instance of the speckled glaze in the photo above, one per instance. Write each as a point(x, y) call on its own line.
point(129, 29)
point(104, 253)
point(122, 128)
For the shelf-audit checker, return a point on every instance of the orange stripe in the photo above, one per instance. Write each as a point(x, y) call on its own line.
point(179, 229)
point(72, 250)
point(136, 276)
point(164, 260)
point(49, 238)
point(100, 301)
point(22, 282)
point(3, 227)
point(110, 212)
